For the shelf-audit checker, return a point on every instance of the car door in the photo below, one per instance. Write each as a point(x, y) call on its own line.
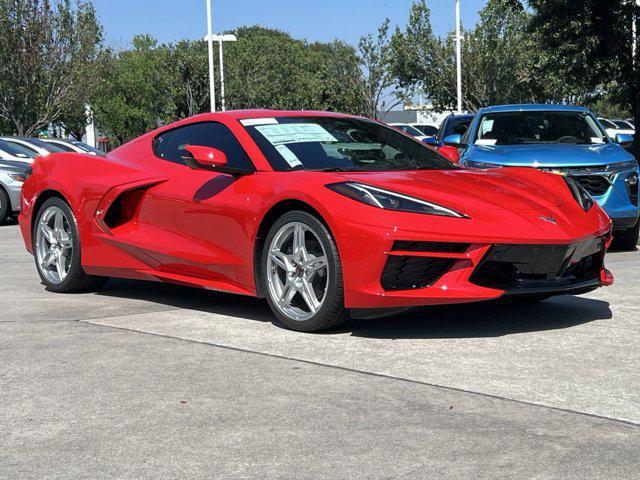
point(195, 222)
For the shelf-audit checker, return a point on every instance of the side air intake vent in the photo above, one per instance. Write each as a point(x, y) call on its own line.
point(406, 273)
point(433, 247)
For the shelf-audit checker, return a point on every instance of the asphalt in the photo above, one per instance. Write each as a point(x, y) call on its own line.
point(156, 381)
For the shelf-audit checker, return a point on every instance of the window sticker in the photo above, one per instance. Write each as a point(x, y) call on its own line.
point(251, 122)
point(597, 140)
point(288, 156)
point(283, 134)
point(486, 141)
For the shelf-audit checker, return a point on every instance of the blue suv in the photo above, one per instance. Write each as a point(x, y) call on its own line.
point(560, 139)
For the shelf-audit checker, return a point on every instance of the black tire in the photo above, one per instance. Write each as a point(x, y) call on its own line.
point(627, 239)
point(332, 314)
point(5, 206)
point(76, 280)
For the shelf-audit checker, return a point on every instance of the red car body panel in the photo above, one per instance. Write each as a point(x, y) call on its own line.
point(200, 228)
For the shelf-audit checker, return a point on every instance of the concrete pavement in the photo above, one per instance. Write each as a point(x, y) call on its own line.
point(157, 381)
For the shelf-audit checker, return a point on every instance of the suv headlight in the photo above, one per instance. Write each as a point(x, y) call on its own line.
point(387, 200)
point(579, 194)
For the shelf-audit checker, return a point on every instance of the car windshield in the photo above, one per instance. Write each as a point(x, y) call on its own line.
point(538, 127)
point(87, 147)
point(409, 130)
point(339, 143)
point(15, 150)
point(622, 124)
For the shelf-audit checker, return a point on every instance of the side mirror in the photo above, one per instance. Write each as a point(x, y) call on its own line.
point(430, 141)
point(624, 139)
point(453, 140)
point(450, 153)
point(207, 157)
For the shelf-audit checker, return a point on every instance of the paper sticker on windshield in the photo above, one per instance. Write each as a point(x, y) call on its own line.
point(283, 134)
point(597, 140)
point(251, 122)
point(486, 141)
point(288, 156)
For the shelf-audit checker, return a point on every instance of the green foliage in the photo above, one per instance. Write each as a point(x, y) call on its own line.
point(134, 94)
point(376, 58)
point(499, 56)
point(44, 56)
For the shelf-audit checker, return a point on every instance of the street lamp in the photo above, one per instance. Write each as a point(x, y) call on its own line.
point(219, 38)
point(212, 80)
point(458, 57)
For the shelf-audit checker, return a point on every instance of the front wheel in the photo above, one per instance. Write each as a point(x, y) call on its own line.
point(627, 239)
point(302, 274)
point(56, 247)
point(5, 206)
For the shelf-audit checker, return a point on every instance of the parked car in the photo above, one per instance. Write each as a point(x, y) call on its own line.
point(323, 214)
point(613, 130)
point(452, 125)
point(560, 139)
point(631, 122)
point(73, 146)
point(428, 129)
point(624, 125)
point(13, 152)
point(35, 145)
point(409, 130)
point(12, 176)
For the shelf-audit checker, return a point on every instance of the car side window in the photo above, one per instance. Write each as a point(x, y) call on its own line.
point(170, 145)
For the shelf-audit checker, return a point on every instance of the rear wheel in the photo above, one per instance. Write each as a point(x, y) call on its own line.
point(302, 274)
point(5, 206)
point(627, 239)
point(56, 247)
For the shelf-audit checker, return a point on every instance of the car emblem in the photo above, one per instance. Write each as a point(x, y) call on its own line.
point(548, 219)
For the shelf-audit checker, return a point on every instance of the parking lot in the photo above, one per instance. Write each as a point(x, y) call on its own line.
point(156, 381)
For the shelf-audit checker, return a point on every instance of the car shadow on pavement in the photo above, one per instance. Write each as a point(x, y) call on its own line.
point(487, 319)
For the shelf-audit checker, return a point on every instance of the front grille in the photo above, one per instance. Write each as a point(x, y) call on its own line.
point(513, 267)
point(406, 273)
point(434, 247)
point(596, 185)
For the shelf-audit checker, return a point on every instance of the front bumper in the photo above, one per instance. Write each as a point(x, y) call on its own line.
point(13, 188)
point(392, 268)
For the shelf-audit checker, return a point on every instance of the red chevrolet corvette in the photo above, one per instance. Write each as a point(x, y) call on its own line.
point(321, 213)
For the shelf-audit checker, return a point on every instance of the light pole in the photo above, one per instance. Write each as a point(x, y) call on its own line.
point(212, 79)
point(458, 57)
point(220, 39)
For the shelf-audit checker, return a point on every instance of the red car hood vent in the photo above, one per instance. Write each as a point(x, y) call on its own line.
point(466, 190)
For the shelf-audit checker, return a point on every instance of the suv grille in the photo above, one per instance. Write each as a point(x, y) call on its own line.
point(596, 185)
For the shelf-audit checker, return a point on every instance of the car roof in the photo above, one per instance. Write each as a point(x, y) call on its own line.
point(265, 113)
point(533, 107)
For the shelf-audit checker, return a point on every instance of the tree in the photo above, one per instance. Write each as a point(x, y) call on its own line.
point(499, 58)
point(376, 57)
point(588, 47)
point(189, 77)
point(134, 90)
point(43, 54)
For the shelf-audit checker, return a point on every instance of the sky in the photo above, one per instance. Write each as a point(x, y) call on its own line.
point(314, 20)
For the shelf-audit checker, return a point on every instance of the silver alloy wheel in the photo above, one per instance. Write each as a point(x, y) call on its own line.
point(297, 271)
point(54, 245)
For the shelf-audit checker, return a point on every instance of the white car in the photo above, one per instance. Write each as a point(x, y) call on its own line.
point(409, 130)
point(613, 129)
point(73, 146)
point(15, 153)
point(34, 145)
point(428, 129)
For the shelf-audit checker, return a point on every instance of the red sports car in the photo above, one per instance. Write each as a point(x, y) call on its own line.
point(324, 214)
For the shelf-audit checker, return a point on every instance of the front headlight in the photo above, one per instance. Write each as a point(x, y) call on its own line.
point(579, 194)
point(387, 200)
point(474, 164)
point(619, 167)
point(19, 177)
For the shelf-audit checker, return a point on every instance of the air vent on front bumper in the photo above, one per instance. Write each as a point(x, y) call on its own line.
point(405, 273)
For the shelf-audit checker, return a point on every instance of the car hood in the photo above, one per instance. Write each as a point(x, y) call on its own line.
point(550, 155)
point(471, 190)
